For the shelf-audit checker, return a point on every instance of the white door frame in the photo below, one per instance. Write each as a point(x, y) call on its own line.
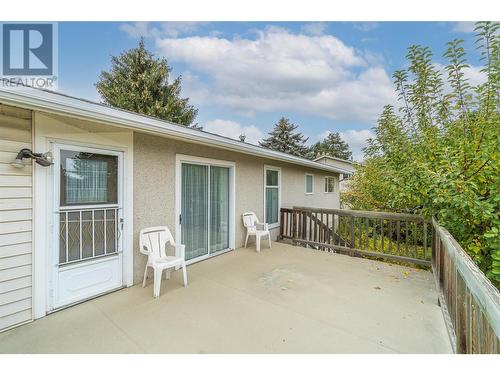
point(43, 199)
point(179, 159)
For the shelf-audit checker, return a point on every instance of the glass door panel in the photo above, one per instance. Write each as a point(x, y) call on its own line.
point(219, 209)
point(87, 181)
point(194, 210)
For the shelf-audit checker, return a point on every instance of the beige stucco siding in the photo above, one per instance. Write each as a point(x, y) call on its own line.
point(15, 219)
point(154, 185)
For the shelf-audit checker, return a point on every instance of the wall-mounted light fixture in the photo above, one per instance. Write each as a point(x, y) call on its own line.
point(45, 160)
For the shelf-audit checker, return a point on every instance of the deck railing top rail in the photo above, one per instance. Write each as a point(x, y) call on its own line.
point(365, 214)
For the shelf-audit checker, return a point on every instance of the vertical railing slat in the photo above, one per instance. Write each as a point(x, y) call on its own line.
point(352, 232)
point(415, 235)
point(398, 236)
point(367, 233)
point(406, 237)
point(389, 237)
point(425, 239)
point(382, 235)
point(360, 225)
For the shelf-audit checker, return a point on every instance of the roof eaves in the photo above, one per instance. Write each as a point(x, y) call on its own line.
point(45, 100)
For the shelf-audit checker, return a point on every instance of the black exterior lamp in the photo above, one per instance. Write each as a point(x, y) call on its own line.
point(45, 160)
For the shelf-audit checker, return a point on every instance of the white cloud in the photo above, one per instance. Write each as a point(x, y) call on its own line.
point(365, 26)
point(172, 29)
point(356, 139)
point(281, 71)
point(314, 28)
point(175, 29)
point(136, 29)
point(475, 75)
point(463, 27)
point(233, 129)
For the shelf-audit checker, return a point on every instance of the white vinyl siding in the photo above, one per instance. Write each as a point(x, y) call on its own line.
point(15, 219)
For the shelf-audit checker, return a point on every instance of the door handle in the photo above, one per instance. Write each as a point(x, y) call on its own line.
point(120, 228)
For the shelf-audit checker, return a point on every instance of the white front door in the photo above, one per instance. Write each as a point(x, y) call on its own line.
point(86, 256)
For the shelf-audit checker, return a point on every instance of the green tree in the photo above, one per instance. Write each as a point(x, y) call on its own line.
point(438, 154)
point(284, 138)
point(332, 145)
point(139, 82)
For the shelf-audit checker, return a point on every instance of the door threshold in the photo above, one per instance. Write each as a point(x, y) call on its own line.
point(86, 299)
point(206, 257)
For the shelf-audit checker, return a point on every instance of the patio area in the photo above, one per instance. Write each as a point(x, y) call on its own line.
point(286, 299)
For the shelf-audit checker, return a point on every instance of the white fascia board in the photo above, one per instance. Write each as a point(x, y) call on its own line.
point(47, 101)
point(334, 158)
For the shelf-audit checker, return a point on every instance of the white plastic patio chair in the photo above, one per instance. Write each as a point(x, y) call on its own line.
point(153, 242)
point(255, 228)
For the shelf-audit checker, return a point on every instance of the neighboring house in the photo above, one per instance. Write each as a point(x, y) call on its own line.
point(69, 232)
point(347, 166)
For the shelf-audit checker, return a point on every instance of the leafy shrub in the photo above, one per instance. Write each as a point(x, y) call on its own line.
point(438, 154)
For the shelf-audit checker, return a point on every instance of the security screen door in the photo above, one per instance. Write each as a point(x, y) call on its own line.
point(204, 209)
point(87, 258)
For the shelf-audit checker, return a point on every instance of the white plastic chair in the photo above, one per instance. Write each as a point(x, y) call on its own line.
point(255, 228)
point(153, 242)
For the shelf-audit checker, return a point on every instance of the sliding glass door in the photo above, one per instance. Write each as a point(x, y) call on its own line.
point(204, 209)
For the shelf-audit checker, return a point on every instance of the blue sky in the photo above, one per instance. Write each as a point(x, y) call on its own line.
point(243, 76)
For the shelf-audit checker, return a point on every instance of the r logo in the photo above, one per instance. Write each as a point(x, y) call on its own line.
point(27, 49)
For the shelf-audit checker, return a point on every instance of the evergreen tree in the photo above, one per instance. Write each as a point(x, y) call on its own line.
point(332, 145)
point(139, 82)
point(284, 138)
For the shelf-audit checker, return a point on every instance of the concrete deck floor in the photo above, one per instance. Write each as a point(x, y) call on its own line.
point(284, 300)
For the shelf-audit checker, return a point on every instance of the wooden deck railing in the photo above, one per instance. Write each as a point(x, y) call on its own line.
point(470, 303)
point(394, 236)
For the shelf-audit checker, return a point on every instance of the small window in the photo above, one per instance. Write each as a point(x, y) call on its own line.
point(309, 183)
point(329, 184)
point(346, 176)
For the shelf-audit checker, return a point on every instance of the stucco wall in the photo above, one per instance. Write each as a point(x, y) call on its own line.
point(154, 185)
